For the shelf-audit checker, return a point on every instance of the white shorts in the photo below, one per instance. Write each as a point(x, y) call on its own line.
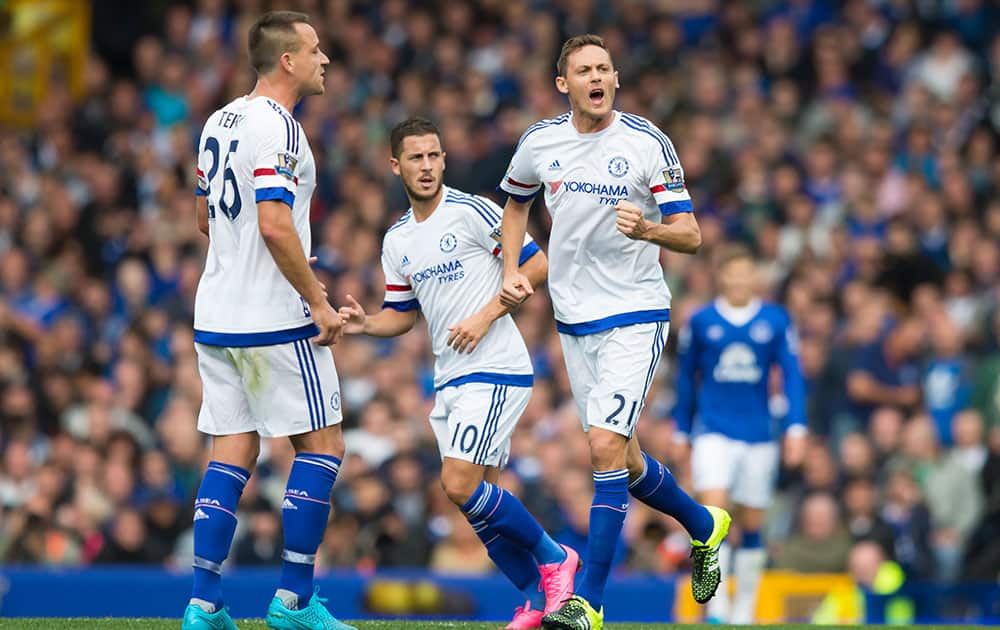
point(610, 373)
point(280, 390)
point(473, 422)
point(747, 470)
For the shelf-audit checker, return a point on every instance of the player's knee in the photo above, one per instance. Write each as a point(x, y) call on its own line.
point(459, 488)
point(634, 461)
point(328, 441)
point(607, 450)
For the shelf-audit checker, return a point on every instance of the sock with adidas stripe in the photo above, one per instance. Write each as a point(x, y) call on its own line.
point(214, 526)
point(506, 515)
point(513, 561)
point(607, 516)
point(304, 513)
point(657, 488)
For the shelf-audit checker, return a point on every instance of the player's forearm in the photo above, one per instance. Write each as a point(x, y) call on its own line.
point(390, 323)
point(535, 269)
point(683, 237)
point(283, 242)
point(513, 228)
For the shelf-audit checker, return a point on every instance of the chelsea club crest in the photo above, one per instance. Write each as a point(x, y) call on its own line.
point(618, 166)
point(448, 242)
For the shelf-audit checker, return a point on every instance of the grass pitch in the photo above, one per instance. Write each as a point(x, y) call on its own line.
point(258, 624)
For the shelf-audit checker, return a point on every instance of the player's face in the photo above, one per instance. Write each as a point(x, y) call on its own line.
point(737, 280)
point(590, 82)
point(421, 166)
point(308, 63)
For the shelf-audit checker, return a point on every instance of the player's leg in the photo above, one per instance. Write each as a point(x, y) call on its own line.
point(480, 419)
point(620, 400)
point(581, 356)
point(225, 414)
point(295, 393)
point(652, 483)
point(514, 562)
point(715, 462)
point(753, 490)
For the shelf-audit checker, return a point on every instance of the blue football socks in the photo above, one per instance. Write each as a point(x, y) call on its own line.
point(607, 516)
point(304, 513)
point(214, 526)
point(658, 489)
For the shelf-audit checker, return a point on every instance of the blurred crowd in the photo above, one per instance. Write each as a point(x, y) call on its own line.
point(853, 145)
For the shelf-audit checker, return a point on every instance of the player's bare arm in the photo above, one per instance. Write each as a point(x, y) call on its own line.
point(386, 323)
point(466, 334)
point(516, 286)
point(678, 232)
point(282, 240)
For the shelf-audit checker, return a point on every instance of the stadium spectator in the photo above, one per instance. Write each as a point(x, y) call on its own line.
point(820, 544)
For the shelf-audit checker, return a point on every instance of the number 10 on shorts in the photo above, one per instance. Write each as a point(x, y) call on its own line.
point(465, 438)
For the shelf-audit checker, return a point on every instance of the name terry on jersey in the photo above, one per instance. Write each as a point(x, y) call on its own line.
point(608, 194)
point(451, 271)
point(230, 119)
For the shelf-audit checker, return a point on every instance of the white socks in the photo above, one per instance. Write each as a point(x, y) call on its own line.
point(208, 607)
point(748, 566)
point(288, 599)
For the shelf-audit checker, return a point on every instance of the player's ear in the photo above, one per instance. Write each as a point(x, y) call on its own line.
point(561, 85)
point(285, 61)
point(617, 85)
point(444, 163)
point(394, 163)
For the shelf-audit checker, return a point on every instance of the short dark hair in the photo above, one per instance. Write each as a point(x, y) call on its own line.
point(574, 44)
point(733, 252)
point(272, 35)
point(415, 126)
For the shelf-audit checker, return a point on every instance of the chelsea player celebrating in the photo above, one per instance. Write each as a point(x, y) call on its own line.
point(615, 189)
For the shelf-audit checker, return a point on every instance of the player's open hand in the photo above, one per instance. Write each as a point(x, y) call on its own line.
point(354, 316)
point(329, 322)
point(516, 289)
point(466, 334)
point(631, 223)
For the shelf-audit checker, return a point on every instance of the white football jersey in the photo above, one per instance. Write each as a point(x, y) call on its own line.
point(448, 266)
point(251, 150)
point(598, 278)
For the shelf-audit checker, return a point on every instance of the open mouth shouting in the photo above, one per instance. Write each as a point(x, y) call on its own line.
point(597, 97)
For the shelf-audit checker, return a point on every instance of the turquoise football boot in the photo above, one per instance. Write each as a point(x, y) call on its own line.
point(195, 618)
point(315, 616)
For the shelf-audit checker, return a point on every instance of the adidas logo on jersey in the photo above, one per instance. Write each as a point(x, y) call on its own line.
point(288, 505)
point(555, 165)
point(199, 514)
point(405, 261)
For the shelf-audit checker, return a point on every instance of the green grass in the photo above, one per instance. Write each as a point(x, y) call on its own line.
point(257, 624)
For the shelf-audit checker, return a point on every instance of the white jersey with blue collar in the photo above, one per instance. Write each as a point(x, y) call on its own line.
point(251, 150)
point(448, 266)
point(598, 278)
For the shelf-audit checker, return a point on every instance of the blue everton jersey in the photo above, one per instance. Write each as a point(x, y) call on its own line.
point(726, 355)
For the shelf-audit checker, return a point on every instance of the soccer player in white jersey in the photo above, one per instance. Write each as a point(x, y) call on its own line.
point(262, 326)
point(442, 259)
point(615, 190)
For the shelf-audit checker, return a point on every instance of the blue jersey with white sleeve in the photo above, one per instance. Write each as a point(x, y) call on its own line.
point(726, 354)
